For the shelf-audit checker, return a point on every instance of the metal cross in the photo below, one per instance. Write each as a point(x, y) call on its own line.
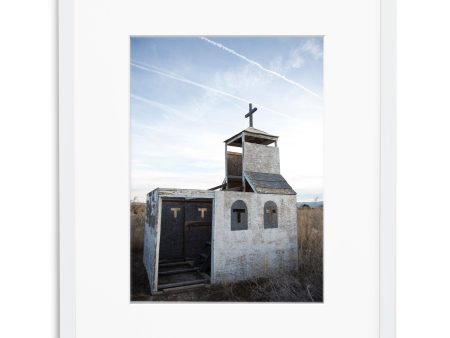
point(250, 113)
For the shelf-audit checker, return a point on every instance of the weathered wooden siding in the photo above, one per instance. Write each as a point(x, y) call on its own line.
point(234, 164)
point(197, 230)
point(185, 193)
point(171, 242)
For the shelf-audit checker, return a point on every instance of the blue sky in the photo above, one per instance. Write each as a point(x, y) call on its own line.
point(189, 94)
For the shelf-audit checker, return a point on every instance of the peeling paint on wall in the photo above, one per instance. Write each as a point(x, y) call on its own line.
point(151, 239)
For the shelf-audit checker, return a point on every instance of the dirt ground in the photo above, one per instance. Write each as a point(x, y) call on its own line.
point(140, 290)
point(284, 289)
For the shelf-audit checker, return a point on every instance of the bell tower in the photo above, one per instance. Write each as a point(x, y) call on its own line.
point(255, 167)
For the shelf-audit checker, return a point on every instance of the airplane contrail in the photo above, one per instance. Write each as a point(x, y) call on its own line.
point(163, 107)
point(174, 76)
point(257, 64)
point(157, 68)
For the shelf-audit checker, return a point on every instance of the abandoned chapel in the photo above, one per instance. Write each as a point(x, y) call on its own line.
point(244, 228)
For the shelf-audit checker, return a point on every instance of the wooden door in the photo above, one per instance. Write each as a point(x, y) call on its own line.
point(171, 245)
point(198, 225)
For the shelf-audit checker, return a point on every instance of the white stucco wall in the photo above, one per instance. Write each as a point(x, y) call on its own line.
point(261, 158)
point(239, 255)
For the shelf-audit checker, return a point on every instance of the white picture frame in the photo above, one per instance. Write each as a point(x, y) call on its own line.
point(81, 20)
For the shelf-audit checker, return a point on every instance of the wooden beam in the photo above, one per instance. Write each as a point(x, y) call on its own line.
point(243, 152)
point(250, 183)
point(226, 169)
point(163, 265)
point(184, 288)
point(219, 186)
point(189, 282)
point(235, 138)
point(173, 272)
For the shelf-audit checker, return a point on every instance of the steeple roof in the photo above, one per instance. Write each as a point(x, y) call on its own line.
point(256, 131)
point(252, 135)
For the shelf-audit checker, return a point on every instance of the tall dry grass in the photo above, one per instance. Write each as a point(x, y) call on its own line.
point(310, 243)
point(304, 285)
point(137, 221)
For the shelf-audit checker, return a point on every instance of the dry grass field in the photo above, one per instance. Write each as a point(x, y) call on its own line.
point(305, 285)
point(310, 243)
point(137, 222)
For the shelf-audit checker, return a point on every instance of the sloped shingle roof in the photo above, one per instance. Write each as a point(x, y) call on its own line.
point(263, 183)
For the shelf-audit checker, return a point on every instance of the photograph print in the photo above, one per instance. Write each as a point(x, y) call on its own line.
point(226, 200)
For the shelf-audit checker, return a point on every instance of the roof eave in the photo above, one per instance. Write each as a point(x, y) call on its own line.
point(257, 135)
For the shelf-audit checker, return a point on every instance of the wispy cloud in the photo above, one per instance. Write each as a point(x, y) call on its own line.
point(172, 75)
point(298, 56)
point(161, 106)
point(261, 67)
point(198, 94)
point(312, 47)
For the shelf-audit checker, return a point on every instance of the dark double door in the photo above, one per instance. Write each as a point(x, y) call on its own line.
point(185, 228)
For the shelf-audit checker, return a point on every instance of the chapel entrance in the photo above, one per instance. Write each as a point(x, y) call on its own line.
point(185, 242)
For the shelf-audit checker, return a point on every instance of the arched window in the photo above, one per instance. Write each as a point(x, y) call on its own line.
point(239, 216)
point(270, 215)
